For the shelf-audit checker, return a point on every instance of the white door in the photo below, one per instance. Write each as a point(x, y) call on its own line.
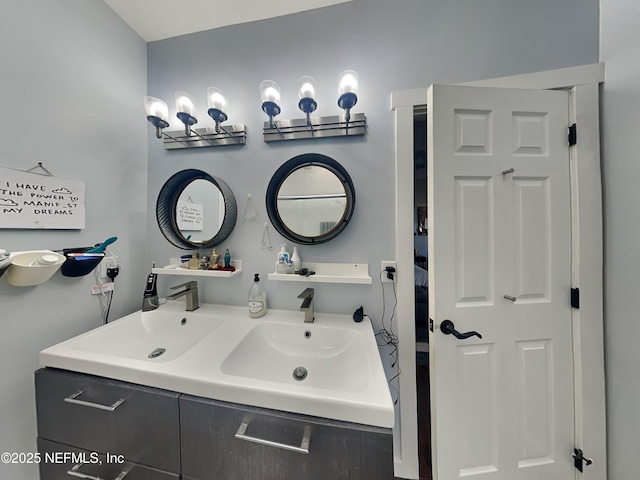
point(500, 264)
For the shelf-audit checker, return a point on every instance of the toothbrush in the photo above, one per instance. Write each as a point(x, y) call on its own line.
point(101, 247)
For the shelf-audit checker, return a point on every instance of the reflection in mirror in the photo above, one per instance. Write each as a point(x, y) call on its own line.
point(196, 210)
point(200, 211)
point(310, 199)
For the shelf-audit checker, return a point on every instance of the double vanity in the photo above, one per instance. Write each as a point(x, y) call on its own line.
point(214, 394)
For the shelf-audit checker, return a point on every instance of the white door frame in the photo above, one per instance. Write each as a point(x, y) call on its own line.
point(587, 261)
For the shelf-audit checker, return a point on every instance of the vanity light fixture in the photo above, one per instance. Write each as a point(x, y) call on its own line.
point(157, 114)
point(270, 95)
point(331, 126)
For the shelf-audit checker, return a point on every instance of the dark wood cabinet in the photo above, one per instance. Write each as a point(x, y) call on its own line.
point(88, 465)
point(223, 441)
point(164, 435)
point(102, 415)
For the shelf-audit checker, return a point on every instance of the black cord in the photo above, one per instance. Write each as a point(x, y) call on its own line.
point(106, 317)
point(387, 336)
point(112, 273)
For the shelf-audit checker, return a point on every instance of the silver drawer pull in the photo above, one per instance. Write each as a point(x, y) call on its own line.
point(75, 473)
point(109, 408)
point(303, 448)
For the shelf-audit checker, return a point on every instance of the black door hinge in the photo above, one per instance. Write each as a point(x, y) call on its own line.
point(575, 298)
point(579, 460)
point(573, 135)
point(431, 324)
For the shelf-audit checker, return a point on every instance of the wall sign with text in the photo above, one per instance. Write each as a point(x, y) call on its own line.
point(32, 200)
point(190, 216)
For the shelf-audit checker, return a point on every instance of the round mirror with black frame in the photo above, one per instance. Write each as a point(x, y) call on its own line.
point(196, 210)
point(310, 199)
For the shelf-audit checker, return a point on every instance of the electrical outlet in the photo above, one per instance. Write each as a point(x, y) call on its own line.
point(386, 264)
point(108, 262)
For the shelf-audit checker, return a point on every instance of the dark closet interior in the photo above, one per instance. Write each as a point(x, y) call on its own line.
point(421, 291)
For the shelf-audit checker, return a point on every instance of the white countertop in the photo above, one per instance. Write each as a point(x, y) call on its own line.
point(198, 368)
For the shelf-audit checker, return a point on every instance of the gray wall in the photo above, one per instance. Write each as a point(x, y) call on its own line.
point(393, 46)
point(620, 49)
point(73, 75)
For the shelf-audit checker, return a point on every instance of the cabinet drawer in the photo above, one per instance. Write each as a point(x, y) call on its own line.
point(103, 415)
point(56, 465)
point(228, 441)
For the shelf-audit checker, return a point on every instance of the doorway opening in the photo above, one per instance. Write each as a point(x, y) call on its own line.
point(582, 82)
point(421, 281)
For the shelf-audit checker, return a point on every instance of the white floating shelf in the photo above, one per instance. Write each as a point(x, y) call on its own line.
point(357, 273)
point(200, 273)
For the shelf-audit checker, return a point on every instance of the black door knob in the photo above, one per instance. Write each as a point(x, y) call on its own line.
point(448, 328)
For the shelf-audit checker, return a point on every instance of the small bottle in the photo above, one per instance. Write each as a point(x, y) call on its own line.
point(296, 260)
point(283, 260)
point(289, 268)
point(194, 262)
point(213, 259)
point(204, 262)
point(227, 259)
point(257, 298)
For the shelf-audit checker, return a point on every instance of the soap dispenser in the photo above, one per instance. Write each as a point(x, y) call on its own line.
point(257, 298)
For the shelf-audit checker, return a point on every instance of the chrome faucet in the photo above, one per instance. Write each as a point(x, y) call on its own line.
point(190, 291)
point(307, 305)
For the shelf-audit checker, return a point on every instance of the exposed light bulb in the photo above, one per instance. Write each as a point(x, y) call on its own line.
point(184, 104)
point(157, 110)
point(348, 82)
point(272, 95)
point(217, 100)
point(307, 90)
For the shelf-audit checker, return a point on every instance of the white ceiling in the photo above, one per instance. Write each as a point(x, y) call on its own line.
point(158, 19)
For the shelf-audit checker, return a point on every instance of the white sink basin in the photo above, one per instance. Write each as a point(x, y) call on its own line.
point(291, 353)
point(156, 336)
point(221, 353)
